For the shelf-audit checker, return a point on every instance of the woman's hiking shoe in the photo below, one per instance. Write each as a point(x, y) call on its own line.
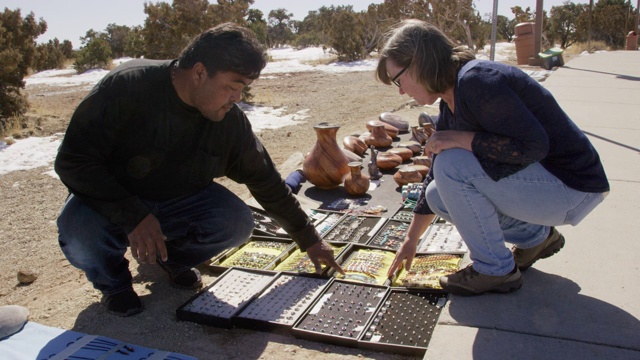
point(124, 303)
point(186, 279)
point(468, 282)
point(526, 257)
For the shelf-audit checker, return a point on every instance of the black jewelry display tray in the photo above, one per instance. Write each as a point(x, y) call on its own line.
point(217, 264)
point(217, 303)
point(394, 244)
point(329, 221)
point(372, 222)
point(404, 322)
point(281, 303)
point(340, 248)
point(265, 225)
point(340, 313)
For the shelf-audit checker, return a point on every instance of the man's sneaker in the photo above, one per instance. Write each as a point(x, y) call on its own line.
point(185, 279)
point(526, 257)
point(124, 303)
point(468, 282)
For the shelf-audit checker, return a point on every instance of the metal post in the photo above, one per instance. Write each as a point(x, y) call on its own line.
point(590, 24)
point(535, 59)
point(494, 26)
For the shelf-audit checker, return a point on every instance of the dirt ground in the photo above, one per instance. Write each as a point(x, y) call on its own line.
point(62, 297)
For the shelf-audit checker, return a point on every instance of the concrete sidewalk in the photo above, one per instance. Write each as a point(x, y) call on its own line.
point(584, 302)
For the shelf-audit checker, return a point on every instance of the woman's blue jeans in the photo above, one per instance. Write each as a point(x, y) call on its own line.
point(197, 226)
point(519, 209)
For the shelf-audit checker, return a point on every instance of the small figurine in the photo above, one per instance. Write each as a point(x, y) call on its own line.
point(374, 172)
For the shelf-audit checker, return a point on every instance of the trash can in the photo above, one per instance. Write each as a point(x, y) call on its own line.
point(525, 42)
point(550, 58)
point(632, 41)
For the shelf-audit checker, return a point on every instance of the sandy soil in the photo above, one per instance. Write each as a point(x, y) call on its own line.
point(62, 297)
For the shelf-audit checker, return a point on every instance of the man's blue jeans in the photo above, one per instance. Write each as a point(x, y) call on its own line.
point(198, 227)
point(519, 209)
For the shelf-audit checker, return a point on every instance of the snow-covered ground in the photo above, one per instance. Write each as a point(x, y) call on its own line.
point(38, 152)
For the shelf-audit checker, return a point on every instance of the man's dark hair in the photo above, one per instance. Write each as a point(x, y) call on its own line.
point(226, 47)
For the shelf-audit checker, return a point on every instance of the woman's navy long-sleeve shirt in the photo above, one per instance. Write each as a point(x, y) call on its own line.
point(518, 122)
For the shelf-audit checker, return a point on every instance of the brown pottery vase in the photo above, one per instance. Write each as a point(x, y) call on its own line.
point(390, 129)
point(404, 153)
point(378, 137)
point(396, 120)
point(356, 183)
point(422, 160)
point(418, 135)
point(388, 161)
point(411, 145)
point(354, 144)
point(406, 175)
point(326, 165)
point(422, 169)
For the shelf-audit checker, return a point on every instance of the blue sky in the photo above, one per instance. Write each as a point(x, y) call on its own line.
point(70, 19)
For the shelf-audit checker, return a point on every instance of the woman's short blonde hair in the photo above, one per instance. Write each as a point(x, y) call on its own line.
point(430, 55)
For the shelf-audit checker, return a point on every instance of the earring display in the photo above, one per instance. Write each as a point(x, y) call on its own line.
point(442, 237)
point(258, 253)
point(404, 323)
point(355, 229)
point(328, 223)
point(340, 313)
point(218, 302)
point(426, 271)
point(367, 266)
point(391, 236)
point(299, 262)
point(282, 303)
point(403, 215)
point(265, 224)
point(316, 216)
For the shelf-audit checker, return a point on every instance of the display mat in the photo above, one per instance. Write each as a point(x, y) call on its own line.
point(426, 271)
point(298, 262)
point(260, 253)
point(366, 265)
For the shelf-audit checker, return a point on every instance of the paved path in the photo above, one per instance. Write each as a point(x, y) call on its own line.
point(584, 302)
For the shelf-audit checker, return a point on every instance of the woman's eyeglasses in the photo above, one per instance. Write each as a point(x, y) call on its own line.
point(395, 78)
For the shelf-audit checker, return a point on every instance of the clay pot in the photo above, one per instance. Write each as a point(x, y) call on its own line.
point(404, 153)
point(425, 118)
point(406, 175)
point(418, 135)
point(326, 165)
point(378, 137)
point(411, 145)
point(388, 161)
point(422, 169)
point(422, 160)
point(356, 183)
point(390, 129)
point(351, 156)
point(354, 144)
point(395, 120)
point(429, 129)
